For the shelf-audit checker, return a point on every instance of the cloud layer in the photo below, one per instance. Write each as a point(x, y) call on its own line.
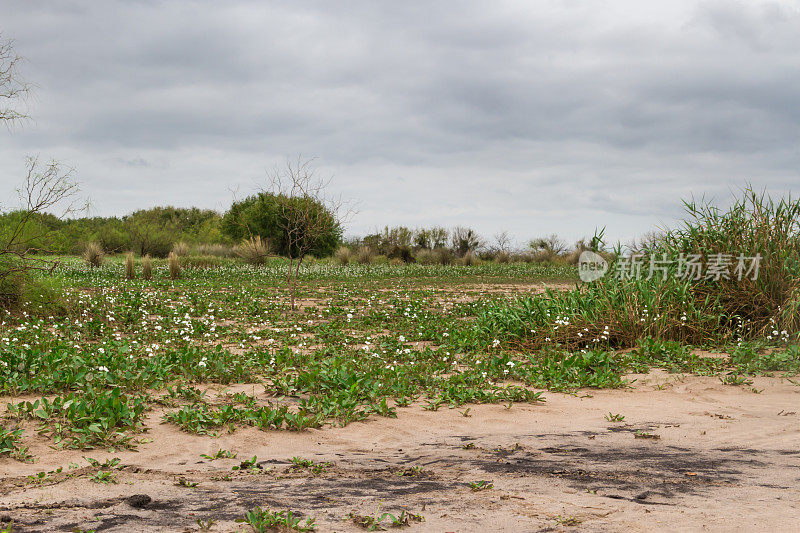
point(533, 117)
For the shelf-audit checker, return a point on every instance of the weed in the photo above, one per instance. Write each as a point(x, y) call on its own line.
point(262, 520)
point(130, 268)
point(219, 454)
point(104, 477)
point(93, 254)
point(476, 486)
point(174, 263)
point(147, 267)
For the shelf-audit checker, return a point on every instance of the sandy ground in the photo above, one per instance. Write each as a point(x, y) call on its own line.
point(727, 459)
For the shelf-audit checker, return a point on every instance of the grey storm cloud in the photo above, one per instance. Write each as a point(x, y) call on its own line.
point(535, 117)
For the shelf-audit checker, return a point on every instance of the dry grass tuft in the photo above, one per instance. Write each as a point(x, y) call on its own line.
point(343, 255)
point(180, 248)
point(147, 267)
point(93, 254)
point(254, 250)
point(365, 255)
point(130, 266)
point(174, 265)
point(469, 259)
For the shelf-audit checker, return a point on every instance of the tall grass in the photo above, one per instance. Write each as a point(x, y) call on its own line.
point(254, 250)
point(147, 267)
point(130, 266)
point(365, 256)
point(343, 255)
point(180, 248)
point(216, 250)
point(93, 254)
point(174, 263)
point(617, 311)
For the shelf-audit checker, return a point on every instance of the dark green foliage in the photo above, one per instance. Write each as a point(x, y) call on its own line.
point(263, 215)
point(147, 231)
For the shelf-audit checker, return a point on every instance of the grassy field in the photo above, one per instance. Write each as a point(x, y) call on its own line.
point(218, 352)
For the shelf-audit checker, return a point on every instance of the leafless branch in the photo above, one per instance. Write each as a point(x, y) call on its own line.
point(12, 87)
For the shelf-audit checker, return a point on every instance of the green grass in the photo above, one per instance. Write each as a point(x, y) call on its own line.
point(368, 341)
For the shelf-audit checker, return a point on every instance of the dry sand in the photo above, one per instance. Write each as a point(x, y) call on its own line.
point(727, 459)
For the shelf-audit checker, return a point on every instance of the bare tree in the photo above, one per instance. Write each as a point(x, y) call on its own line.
point(306, 213)
point(502, 241)
point(12, 87)
point(47, 187)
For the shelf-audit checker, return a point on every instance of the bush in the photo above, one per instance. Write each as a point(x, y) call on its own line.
point(365, 255)
point(254, 250)
point(262, 215)
point(521, 258)
point(11, 290)
point(402, 253)
point(502, 257)
point(93, 254)
point(343, 255)
point(216, 250)
point(465, 240)
point(44, 297)
point(426, 257)
point(443, 256)
point(201, 262)
point(469, 259)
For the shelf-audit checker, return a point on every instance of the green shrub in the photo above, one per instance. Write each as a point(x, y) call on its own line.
point(44, 296)
point(262, 215)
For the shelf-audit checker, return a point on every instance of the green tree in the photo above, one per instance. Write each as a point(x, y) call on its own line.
point(287, 222)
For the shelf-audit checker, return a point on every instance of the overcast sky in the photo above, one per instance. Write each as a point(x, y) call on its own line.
point(532, 117)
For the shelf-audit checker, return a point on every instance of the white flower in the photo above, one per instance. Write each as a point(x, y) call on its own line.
point(102, 369)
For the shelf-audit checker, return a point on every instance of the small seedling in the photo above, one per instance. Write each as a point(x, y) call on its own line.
point(249, 464)
point(262, 520)
point(410, 471)
point(219, 454)
point(611, 417)
point(568, 520)
point(104, 477)
point(207, 525)
point(480, 485)
point(316, 468)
